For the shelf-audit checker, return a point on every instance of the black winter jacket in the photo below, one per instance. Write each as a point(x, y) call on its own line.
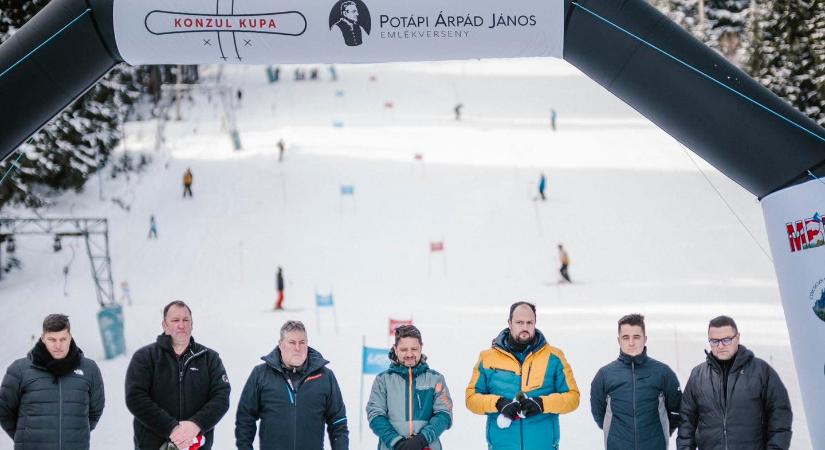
point(758, 413)
point(41, 414)
point(162, 390)
point(635, 400)
point(292, 413)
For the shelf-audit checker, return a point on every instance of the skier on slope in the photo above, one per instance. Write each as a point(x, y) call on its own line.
point(187, 182)
point(542, 187)
point(153, 228)
point(279, 286)
point(564, 260)
point(281, 148)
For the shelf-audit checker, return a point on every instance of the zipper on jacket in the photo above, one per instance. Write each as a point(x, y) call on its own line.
point(726, 385)
point(410, 383)
point(521, 374)
point(724, 401)
point(293, 399)
point(529, 369)
point(181, 365)
point(60, 413)
point(181, 371)
point(725, 416)
point(294, 416)
point(290, 389)
point(635, 430)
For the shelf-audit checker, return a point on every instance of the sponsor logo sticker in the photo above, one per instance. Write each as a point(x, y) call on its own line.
point(817, 299)
point(806, 234)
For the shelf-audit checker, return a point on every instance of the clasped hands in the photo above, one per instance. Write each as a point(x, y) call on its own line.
point(527, 406)
point(183, 435)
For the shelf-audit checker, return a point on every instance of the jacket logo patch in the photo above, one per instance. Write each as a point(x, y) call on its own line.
point(314, 377)
point(225, 378)
point(78, 372)
point(193, 369)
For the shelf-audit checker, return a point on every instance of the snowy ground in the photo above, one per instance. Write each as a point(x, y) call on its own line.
point(645, 231)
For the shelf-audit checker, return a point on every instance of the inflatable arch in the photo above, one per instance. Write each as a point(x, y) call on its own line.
point(627, 46)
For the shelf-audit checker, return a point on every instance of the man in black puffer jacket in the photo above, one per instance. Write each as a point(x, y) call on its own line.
point(176, 388)
point(294, 395)
point(734, 400)
point(635, 399)
point(52, 399)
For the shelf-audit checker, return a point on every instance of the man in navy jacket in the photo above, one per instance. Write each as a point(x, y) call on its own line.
point(294, 396)
point(635, 399)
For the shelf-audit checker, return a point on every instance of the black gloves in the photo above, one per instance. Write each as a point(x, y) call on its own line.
point(508, 408)
point(531, 406)
point(416, 442)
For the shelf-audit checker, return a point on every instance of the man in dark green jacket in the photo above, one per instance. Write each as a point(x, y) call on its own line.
point(53, 398)
point(176, 388)
point(734, 400)
point(294, 395)
point(635, 399)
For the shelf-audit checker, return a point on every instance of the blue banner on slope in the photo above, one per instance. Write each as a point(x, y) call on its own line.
point(376, 360)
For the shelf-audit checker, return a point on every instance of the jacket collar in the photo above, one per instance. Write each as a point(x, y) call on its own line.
point(164, 341)
point(314, 360)
point(742, 357)
point(501, 342)
point(639, 359)
point(404, 370)
point(40, 358)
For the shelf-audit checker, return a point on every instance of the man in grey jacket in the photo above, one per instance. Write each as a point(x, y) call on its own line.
point(52, 398)
point(734, 400)
point(410, 405)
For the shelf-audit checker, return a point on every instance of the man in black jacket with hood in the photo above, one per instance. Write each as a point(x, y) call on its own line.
point(53, 398)
point(734, 400)
point(294, 395)
point(176, 388)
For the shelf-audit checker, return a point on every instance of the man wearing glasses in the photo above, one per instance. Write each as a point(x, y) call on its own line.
point(734, 400)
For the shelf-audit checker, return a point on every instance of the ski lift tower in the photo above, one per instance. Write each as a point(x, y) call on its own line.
point(95, 233)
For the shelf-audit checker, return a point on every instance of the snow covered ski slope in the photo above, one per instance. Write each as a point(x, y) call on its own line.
point(645, 230)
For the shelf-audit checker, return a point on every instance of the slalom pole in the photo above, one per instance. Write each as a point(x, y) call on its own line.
point(361, 395)
point(317, 312)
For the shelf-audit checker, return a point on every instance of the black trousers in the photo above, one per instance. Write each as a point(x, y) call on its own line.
point(564, 274)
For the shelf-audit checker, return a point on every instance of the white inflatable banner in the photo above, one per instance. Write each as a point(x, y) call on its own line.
point(797, 235)
point(360, 31)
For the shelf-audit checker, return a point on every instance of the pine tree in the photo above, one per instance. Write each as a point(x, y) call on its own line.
point(686, 14)
point(786, 62)
point(78, 141)
point(818, 50)
point(727, 26)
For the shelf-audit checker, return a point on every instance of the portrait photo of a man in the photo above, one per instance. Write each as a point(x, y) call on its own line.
point(352, 18)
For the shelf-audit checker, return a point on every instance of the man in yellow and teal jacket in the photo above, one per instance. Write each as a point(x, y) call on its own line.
point(522, 384)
